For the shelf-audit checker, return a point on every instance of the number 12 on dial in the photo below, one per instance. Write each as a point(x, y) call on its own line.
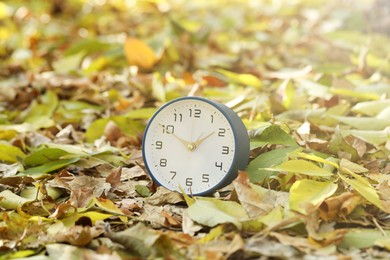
point(195, 144)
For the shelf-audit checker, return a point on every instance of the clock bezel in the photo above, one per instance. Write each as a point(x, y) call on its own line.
point(240, 136)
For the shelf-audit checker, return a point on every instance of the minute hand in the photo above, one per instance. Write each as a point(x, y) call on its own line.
point(199, 141)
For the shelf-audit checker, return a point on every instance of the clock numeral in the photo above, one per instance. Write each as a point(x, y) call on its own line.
point(159, 145)
point(169, 129)
point(195, 112)
point(173, 174)
point(221, 132)
point(219, 165)
point(205, 177)
point(225, 149)
point(163, 162)
point(178, 117)
point(189, 182)
point(212, 118)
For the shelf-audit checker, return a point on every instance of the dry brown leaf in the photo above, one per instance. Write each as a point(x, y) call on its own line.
point(171, 221)
point(78, 235)
point(384, 195)
point(139, 53)
point(254, 204)
point(114, 178)
point(164, 196)
point(112, 132)
point(340, 205)
point(99, 186)
point(81, 197)
point(301, 243)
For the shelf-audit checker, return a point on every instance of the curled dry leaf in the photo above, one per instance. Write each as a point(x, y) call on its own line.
point(341, 205)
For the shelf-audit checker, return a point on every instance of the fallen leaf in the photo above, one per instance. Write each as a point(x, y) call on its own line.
point(10, 153)
point(272, 134)
point(353, 238)
point(306, 195)
point(109, 206)
point(256, 167)
point(140, 54)
point(10, 200)
point(213, 212)
point(254, 203)
point(341, 205)
point(361, 185)
point(301, 167)
point(164, 196)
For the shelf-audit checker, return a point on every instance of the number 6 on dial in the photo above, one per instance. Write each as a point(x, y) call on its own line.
point(195, 144)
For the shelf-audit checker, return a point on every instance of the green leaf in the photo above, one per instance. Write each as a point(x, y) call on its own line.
point(75, 150)
point(338, 145)
point(40, 114)
point(69, 63)
point(138, 240)
point(10, 153)
point(127, 125)
point(272, 134)
point(50, 166)
point(213, 212)
point(32, 193)
point(301, 167)
point(10, 200)
point(71, 111)
point(88, 46)
point(306, 194)
point(143, 190)
point(354, 238)
point(142, 113)
point(44, 155)
point(45, 107)
point(256, 168)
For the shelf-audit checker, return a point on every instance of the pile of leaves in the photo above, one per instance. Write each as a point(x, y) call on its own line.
point(80, 79)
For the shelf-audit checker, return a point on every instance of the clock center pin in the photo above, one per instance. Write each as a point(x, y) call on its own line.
point(191, 147)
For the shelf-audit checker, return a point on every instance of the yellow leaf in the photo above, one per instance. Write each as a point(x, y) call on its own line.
point(306, 195)
point(363, 186)
point(109, 206)
point(317, 159)
point(301, 167)
point(140, 54)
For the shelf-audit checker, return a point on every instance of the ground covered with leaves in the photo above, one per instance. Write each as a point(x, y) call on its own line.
point(79, 80)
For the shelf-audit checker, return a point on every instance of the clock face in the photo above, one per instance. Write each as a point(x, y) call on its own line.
point(189, 143)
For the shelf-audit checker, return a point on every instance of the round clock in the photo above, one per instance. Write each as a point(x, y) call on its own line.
point(195, 144)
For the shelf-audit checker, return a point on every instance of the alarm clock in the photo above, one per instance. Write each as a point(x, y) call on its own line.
point(195, 145)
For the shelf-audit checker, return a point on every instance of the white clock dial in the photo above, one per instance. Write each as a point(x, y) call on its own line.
point(191, 144)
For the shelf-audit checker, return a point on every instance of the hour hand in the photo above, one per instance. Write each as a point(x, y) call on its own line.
point(186, 143)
